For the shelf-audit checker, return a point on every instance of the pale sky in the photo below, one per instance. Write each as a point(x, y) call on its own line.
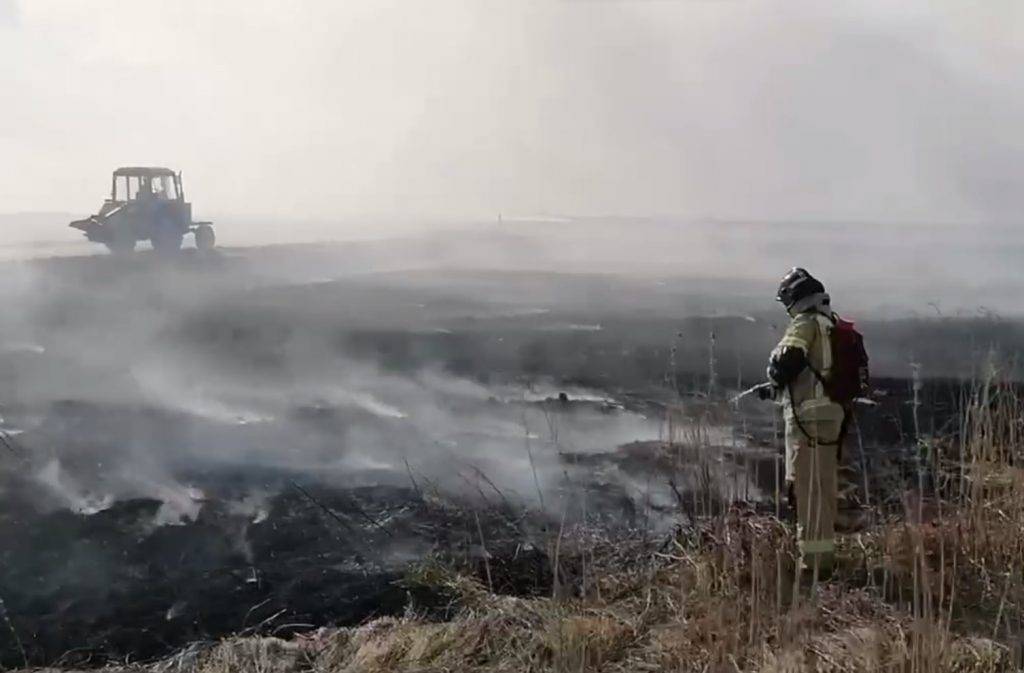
point(883, 110)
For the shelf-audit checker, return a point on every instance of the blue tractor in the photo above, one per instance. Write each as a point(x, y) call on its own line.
point(146, 204)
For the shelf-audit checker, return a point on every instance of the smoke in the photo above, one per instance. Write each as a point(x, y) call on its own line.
point(9, 13)
point(132, 379)
point(179, 384)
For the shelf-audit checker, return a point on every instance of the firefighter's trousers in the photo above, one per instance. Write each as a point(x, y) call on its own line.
point(811, 471)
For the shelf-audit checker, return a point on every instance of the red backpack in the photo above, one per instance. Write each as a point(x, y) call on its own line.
point(848, 379)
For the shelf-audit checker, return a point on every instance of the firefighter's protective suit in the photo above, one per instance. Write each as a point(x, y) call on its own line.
point(814, 427)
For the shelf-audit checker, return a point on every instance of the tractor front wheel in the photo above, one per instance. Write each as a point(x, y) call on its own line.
point(122, 241)
point(205, 238)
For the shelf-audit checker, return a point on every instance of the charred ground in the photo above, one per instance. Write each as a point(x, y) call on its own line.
point(257, 442)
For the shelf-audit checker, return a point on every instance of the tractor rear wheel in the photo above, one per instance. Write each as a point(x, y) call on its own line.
point(166, 241)
point(205, 238)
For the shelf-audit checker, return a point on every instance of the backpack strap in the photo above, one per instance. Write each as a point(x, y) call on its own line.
point(830, 361)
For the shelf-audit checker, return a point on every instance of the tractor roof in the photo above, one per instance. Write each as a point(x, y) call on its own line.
point(139, 171)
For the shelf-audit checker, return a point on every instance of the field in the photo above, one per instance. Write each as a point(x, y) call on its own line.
point(325, 458)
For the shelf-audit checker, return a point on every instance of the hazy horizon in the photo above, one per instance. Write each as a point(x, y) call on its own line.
point(326, 111)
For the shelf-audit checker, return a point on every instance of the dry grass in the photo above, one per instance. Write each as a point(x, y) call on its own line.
point(718, 604)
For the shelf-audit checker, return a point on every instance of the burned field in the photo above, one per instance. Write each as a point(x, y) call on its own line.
point(202, 449)
point(271, 549)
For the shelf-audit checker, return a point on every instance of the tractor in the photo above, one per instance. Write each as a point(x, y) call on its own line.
point(146, 204)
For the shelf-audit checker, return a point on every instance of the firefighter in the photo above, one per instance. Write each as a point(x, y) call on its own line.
point(797, 369)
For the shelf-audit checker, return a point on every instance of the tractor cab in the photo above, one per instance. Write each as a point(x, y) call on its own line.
point(132, 184)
